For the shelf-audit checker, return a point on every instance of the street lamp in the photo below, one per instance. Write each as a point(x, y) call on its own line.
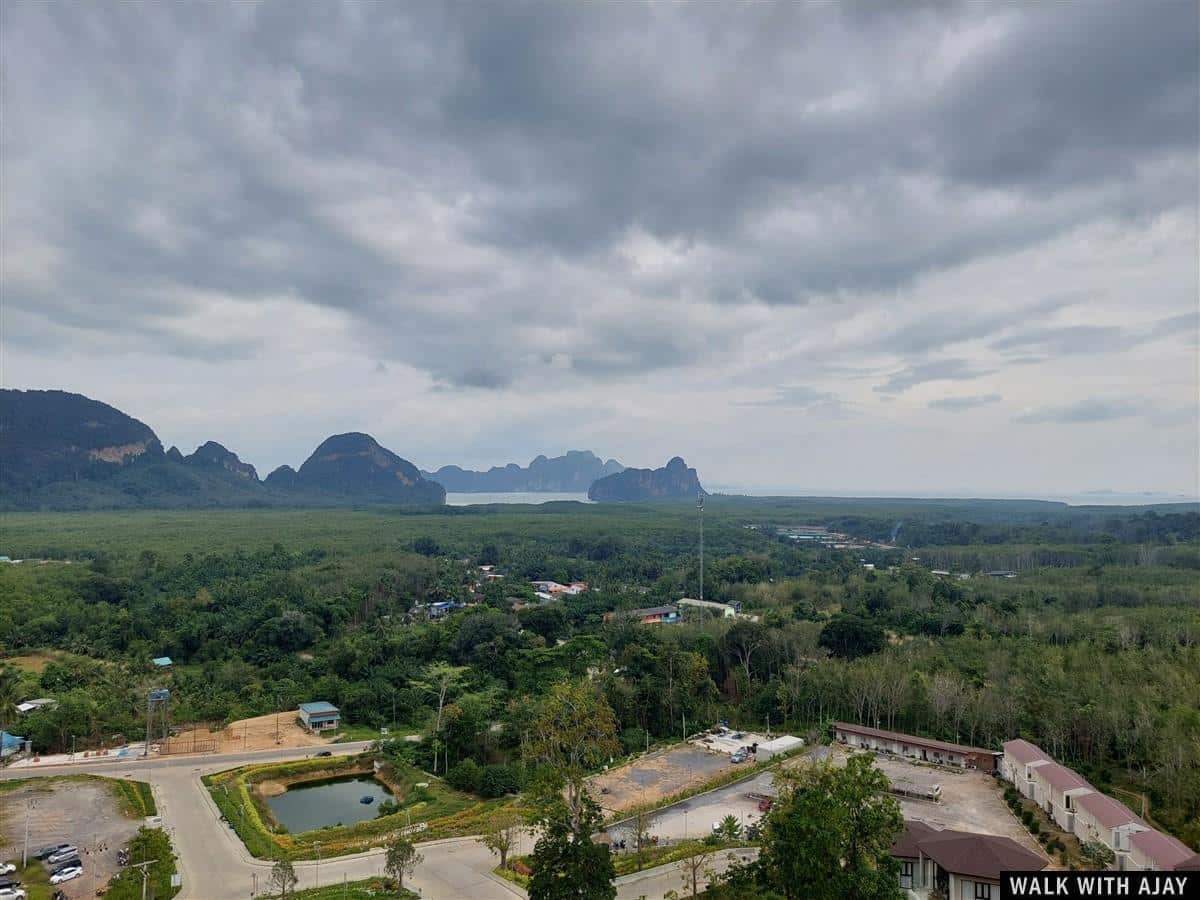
point(317, 875)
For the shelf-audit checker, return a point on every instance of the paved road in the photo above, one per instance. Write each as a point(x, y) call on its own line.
point(216, 865)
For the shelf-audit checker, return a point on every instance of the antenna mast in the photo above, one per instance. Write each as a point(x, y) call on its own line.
point(700, 507)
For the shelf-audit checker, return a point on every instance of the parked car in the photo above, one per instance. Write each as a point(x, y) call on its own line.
point(9, 883)
point(7, 868)
point(764, 805)
point(62, 854)
point(12, 894)
point(738, 757)
point(66, 874)
point(47, 851)
point(66, 864)
point(325, 753)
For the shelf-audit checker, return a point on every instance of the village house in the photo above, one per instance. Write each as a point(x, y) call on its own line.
point(1059, 790)
point(651, 615)
point(1154, 850)
point(908, 745)
point(1020, 760)
point(959, 864)
point(1098, 817)
point(722, 609)
point(319, 716)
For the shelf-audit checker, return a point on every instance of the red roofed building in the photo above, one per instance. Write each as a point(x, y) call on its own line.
point(1098, 817)
point(1019, 762)
point(914, 747)
point(1154, 850)
point(960, 864)
point(1058, 791)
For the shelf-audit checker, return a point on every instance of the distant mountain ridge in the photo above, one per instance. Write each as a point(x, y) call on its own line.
point(572, 472)
point(60, 450)
point(674, 479)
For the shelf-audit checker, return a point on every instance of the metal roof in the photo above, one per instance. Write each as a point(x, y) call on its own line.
point(979, 855)
point(1024, 752)
point(910, 739)
point(1104, 809)
point(318, 707)
point(1166, 852)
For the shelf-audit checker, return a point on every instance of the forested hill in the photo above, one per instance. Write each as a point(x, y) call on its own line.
point(61, 451)
point(673, 480)
point(573, 472)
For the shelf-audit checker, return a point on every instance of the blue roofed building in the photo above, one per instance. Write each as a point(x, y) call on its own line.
point(320, 716)
point(162, 662)
point(10, 743)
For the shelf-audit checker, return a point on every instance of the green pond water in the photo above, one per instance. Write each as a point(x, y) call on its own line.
point(317, 804)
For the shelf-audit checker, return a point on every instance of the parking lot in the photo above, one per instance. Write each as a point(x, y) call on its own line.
point(970, 800)
point(79, 812)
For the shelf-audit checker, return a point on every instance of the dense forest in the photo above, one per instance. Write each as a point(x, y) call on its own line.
point(1092, 650)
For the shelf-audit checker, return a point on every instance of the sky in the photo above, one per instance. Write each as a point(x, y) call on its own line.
point(925, 248)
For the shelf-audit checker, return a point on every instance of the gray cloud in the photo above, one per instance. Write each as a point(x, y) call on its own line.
point(1093, 409)
point(923, 373)
point(958, 404)
point(379, 160)
point(597, 212)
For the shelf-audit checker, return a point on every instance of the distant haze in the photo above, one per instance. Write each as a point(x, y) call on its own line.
point(943, 248)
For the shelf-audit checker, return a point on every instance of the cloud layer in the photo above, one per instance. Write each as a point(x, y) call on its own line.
point(487, 236)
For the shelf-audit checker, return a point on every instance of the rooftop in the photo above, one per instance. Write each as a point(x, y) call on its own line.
point(1024, 752)
point(914, 832)
point(1166, 852)
point(908, 738)
point(979, 855)
point(654, 611)
point(1060, 777)
point(1108, 812)
point(319, 707)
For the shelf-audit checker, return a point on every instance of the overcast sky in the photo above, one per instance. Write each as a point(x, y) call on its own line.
point(940, 249)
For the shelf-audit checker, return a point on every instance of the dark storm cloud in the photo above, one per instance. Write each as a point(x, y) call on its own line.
point(461, 184)
point(958, 404)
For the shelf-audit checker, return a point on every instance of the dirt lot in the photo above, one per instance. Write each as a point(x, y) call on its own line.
point(971, 801)
point(83, 813)
point(247, 734)
point(653, 777)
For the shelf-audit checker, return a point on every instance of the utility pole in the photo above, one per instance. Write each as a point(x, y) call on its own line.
point(317, 874)
point(700, 507)
point(29, 805)
point(145, 867)
point(277, 719)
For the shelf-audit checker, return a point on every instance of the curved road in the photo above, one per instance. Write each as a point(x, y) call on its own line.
point(215, 864)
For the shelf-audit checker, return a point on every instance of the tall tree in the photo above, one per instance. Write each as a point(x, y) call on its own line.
point(573, 731)
point(566, 864)
point(501, 835)
point(828, 836)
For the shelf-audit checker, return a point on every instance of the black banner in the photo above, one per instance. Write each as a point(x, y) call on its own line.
point(1015, 885)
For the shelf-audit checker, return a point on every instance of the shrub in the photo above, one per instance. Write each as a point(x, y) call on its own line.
point(498, 781)
point(1034, 827)
point(465, 776)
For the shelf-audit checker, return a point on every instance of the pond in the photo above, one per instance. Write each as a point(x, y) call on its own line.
point(317, 804)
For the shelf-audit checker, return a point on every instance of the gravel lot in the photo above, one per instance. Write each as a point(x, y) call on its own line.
point(82, 813)
point(656, 776)
point(971, 801)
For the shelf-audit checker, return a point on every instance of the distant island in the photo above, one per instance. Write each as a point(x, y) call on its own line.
point(674, 479)
point(573, 472)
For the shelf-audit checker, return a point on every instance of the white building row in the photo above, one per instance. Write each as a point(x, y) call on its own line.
point(1090, 815)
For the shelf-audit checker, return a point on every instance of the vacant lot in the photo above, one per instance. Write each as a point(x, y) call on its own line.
point(82, 812)
point(971, 801)
point(258, 733)
point(656, 776)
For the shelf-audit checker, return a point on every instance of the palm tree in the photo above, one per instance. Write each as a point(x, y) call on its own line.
point(8, 697)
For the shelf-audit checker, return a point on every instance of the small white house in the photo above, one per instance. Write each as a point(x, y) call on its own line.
point(320, 716)
point(1059, 790)
point(722, 609)
point(1100, 818)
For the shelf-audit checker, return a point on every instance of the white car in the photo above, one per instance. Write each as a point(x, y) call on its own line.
point(12, 894)
point(7, 868)
point(62, 855)
point(66, 874)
